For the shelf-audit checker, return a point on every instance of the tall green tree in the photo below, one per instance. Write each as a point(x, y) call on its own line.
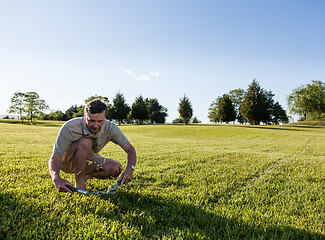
point(279, 114)
point(316, 91)
point(34, 106)
point(255, 105)
point(185, 109)
point(226, 111)
point(27, 104)
point(237, 97)
point(139, 110)
point(308, 101)
point(275, 113)
point(157, 113)
point(267, 118)
point(213, 111)
point(120, 108)
point(18, 104)
point(298, 102)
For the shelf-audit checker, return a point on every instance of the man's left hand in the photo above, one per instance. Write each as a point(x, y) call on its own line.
point(126, 176)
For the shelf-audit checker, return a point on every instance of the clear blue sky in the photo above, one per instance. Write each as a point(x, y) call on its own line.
point(67, 51)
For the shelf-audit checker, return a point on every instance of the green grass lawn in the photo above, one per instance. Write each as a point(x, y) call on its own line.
point(190, 182)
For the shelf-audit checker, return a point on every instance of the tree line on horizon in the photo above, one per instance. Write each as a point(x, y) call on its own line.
point(253, 106)
point(256, 105)
point(142, 110)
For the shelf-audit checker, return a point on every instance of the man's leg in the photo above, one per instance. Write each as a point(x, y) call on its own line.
point(82, 154)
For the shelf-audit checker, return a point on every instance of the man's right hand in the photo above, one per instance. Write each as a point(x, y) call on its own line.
point(60, 185)
point(54, 168)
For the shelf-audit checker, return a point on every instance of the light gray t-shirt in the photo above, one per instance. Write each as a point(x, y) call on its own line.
point(76, 128)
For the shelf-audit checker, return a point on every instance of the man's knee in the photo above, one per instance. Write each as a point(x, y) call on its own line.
point(85, 143)
point(113, 169)
point(117, 169)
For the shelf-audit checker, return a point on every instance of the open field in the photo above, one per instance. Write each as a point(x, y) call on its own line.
point(191, 182)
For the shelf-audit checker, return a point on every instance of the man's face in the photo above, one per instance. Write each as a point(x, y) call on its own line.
point(95, 121)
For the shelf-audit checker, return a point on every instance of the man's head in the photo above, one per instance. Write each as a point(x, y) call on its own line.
point(94, 113)
point(95, 106)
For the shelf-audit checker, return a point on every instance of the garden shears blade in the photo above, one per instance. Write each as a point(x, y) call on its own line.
point(73, 189)
point(110, 191)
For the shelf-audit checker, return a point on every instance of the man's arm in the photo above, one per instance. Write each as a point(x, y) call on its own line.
point(54, 168)
point(132, 159)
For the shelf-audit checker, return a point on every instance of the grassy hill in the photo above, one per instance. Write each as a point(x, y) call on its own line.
point(310, 123)
point(191, 182)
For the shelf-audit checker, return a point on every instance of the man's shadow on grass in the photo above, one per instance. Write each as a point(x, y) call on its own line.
point(156, 218)
point(152, 216)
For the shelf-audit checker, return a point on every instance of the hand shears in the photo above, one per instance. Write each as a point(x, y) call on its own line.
point(112, 190)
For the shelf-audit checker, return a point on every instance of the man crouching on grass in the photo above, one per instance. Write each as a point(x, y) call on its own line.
point(78, 144)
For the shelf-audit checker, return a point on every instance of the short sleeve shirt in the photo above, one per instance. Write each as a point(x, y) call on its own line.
point(76, 128)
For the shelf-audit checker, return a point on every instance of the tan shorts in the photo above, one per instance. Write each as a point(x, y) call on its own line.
point(95, 162)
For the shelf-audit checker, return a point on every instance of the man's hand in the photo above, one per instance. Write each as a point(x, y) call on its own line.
point(60, 185)
point(126, 176)
point(54, 168)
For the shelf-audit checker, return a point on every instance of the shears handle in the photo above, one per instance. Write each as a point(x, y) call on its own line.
point(73, 189)
point(115, 186)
